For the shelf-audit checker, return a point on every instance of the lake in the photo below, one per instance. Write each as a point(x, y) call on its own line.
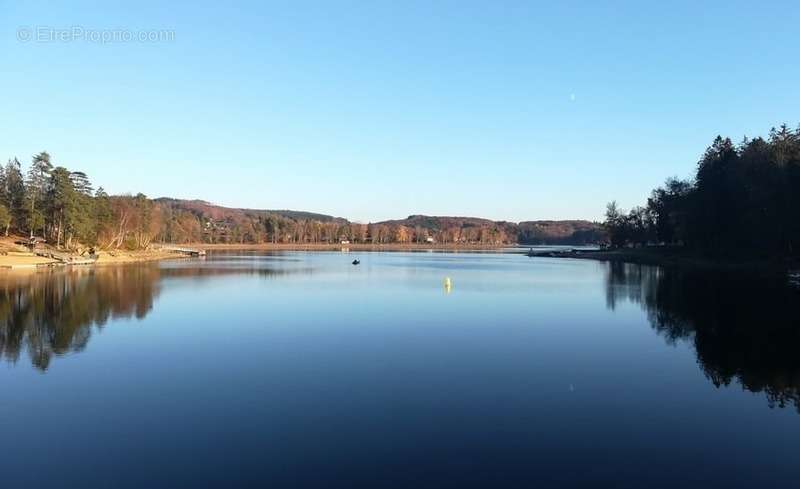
point(298, 369)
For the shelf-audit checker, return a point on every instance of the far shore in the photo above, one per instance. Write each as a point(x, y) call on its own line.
point(17, 258)
point(350, 246)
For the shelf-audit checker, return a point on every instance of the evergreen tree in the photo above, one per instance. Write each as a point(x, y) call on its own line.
point(5, 218)
point(13, 194)
point(63, 205)
point(37, 189)
point(81, 183)
point(102, 214)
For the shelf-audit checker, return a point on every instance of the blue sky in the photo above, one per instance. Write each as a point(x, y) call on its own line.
point(375, 110)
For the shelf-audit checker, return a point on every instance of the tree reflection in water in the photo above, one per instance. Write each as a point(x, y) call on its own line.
point(52, 312)
point(743, 327)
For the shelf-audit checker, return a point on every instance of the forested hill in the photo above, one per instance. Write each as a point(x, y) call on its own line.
point(62, 206)
point(218, 212)
point(561, 232)
point(448, 229)
point(216, 223)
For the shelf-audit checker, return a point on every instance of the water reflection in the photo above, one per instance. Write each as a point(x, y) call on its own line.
point(53, 312)
point(743, 328)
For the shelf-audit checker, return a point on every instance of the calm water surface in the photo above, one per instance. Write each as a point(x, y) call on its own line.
point(302, 370)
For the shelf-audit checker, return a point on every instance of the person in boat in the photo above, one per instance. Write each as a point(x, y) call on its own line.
point(356, 262)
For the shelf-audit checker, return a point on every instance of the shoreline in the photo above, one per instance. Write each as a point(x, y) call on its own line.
point(665, 257)
point(350, 246)
point(16, 259)
point(672, 257)
point(30, 261)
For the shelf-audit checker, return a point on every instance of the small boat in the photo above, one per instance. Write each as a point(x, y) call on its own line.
point(356, 262)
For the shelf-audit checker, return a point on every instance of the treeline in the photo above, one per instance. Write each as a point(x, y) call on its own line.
point(744, 200)
point(61, 206)
point(560, 233)
point(194, 221)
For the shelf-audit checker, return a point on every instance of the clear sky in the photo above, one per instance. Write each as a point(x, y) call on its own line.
point(375, 110)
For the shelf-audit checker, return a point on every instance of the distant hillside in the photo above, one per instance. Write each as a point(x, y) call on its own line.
point(449, 229)
point(560, 232)
point(437, 223)
point(198, 220)
point(218, 212)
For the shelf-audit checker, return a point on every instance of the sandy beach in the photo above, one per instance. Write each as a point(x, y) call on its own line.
point(15, 256)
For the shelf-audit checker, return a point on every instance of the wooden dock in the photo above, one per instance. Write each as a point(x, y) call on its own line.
point(183, 251)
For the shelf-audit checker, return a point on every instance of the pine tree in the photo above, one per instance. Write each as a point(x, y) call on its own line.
point(5, 218)
point(13, 194)
point(102, 213)
point(81, 183)
point(37, 186)
point(63, 205)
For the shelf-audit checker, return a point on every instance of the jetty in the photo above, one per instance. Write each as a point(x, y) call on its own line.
point(183, 251)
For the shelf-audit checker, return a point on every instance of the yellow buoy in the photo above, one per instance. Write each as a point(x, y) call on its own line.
point(448, 284)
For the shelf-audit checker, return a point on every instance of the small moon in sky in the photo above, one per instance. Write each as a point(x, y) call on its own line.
point(572, 97)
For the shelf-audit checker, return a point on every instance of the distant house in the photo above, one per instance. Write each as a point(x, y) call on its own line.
point(430, 239)
point(345, 241)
